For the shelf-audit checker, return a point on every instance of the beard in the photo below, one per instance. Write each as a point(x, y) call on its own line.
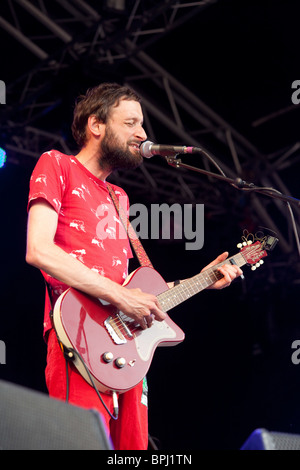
point(114, 156)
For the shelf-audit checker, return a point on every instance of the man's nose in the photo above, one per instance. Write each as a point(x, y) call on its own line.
point(140, 133)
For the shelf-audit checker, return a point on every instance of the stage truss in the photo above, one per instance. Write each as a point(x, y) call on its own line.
point(63, 37)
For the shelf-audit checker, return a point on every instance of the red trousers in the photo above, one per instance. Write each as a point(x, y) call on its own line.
point(129, 431)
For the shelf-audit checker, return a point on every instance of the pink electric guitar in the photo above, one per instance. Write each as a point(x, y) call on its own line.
point(115, 351)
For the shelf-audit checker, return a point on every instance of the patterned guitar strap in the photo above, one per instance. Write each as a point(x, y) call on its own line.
point(135, 242)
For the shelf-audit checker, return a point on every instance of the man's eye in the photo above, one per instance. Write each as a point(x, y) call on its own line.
point(129, 123)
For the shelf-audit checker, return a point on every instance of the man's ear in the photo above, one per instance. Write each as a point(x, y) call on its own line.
point(95, 127)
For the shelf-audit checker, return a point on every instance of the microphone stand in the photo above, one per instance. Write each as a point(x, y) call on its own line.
point(238, 183)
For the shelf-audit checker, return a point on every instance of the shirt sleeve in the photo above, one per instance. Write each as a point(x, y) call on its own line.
point(48, 180)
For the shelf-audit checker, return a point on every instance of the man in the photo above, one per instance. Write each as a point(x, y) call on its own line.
point(66, 193)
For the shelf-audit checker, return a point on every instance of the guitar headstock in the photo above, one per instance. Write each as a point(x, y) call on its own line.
point(255, 247)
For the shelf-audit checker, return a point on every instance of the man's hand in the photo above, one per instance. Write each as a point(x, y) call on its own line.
point(140, 306)
point(229, 271)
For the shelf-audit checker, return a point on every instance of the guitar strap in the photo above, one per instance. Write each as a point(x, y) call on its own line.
point(135, 242)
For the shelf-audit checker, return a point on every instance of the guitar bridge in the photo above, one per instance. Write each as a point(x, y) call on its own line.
point(112, 326)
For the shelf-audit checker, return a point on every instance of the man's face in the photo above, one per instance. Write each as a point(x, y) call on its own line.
point(124, 133)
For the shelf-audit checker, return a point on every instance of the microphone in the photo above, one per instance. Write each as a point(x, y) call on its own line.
point(149, 149)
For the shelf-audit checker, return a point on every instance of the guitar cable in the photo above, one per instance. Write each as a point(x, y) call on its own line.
point(69, 355)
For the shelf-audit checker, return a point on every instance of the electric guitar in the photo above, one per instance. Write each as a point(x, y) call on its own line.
point(107, 347)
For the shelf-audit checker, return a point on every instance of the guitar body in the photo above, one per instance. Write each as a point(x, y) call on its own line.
point(94, 328)
point(115, 351)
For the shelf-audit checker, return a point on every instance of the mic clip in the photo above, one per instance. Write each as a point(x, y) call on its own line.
point(173, 160)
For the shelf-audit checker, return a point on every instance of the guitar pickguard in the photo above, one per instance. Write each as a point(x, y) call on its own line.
point(146, 342)
point(113, 347)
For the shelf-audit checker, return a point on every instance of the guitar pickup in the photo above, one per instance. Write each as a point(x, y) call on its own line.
point(114, 331)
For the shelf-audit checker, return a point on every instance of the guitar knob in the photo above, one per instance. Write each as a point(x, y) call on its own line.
point(107, 356)
point(120, 362)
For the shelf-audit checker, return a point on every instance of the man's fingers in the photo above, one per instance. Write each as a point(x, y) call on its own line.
point(145, 309)
point(230, 272)
point(218, 260)
point(221, 257)
point(148, 320)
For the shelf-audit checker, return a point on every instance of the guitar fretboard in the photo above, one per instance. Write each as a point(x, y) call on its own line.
point(190, 287)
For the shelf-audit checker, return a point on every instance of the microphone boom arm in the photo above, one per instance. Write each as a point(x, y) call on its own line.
point(238, 183)
point(170, 153)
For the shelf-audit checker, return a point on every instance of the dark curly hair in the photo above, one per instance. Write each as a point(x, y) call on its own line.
point(98, 101)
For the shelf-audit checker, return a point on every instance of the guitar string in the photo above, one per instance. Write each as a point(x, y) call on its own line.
point(119, 324)
point(182, 287)
point(185, 290)
point(206, 278)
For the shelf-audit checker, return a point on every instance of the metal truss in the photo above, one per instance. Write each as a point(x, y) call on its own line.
point(76, 33)
point(60, 33)
point(194, 123)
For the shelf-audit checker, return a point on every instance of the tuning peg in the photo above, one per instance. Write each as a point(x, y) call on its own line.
point(239, 245)
point(253, 268)
point(249, 242)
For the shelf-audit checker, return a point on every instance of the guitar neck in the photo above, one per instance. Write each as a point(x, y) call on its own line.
point(190, 287)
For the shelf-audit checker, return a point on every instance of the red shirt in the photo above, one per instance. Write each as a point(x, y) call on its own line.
point(89, 227)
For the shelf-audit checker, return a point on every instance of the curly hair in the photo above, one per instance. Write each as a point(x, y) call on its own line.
point(98, 101)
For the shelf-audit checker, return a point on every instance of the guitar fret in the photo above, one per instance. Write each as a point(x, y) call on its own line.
point(188, 288)
point(77, 315)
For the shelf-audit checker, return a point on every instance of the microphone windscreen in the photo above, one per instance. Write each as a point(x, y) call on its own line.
point(145, 149)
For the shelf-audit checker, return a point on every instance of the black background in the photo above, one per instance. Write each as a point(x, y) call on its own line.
point(233, 373)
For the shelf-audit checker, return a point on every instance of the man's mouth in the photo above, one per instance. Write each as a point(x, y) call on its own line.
point(135, 146)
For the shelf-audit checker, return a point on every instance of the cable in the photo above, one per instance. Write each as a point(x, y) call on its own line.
point(67, 379)
point(242, 185)
point(210, 158)
point(266, 191)
point(69, 356)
